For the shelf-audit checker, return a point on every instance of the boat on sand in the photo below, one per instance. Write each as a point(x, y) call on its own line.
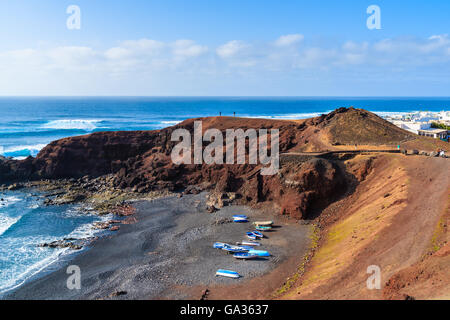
point(248, 243)
point(258, 234)
point(251, 236)
point(227, 273)
point(240, 218)
point(260, 253)
point(235, 249)
point(263, 228)
point(263, 223)
point(219, 245)
point(245, 256)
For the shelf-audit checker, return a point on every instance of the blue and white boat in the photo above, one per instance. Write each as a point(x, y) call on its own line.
point(249, 243)
point(263, 228)
point(235, 249)
point(260, 253)
point(227, 273)
point(258, 234)
point(245, 255)
point(219, 245)
point(251, 236)
point(240, 218)
point(246, 247)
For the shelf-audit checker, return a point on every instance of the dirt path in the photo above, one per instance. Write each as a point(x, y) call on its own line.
point(389, 221)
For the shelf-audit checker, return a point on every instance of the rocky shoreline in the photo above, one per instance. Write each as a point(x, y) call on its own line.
point(94, 196)
point(99, 196)
point(169, 252)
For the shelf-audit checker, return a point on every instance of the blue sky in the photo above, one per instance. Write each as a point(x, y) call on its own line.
point(247, 47)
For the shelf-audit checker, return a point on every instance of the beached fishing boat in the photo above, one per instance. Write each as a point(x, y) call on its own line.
point(219, 245)
point(263, 223)
point(235, 249)
point(251, 236)
point(248, 243)
point(263, 228)
point(245, 256)
point(240, 218)
point(227, 273)
point(260, 253)
point(258, 234)
point(246, 247)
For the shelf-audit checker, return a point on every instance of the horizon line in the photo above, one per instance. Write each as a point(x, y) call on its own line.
point(213, 96)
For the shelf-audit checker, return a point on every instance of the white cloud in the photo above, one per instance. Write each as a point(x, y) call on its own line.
point(412, 46)
point(188, 48)
point(147, 45)
point(117, 53)
point(231, 49)
point(316, 58)
point(20, 54)
point(70, 58)
point(355, 47)
point(151, 59)
point(289, 40)
point(147, 53)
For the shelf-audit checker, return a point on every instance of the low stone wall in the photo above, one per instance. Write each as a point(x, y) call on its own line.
point(330, 155)
point(289, 158)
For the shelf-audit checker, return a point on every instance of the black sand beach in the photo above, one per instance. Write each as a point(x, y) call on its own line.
point(168, 250)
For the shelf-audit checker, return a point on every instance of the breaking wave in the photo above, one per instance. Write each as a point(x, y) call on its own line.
point(6, 223)
point(70, 124)
point(20, 152)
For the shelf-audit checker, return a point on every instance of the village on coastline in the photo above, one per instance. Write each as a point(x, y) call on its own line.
point(423, 123)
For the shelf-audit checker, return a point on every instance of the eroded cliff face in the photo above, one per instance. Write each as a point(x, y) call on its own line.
point(141, 161)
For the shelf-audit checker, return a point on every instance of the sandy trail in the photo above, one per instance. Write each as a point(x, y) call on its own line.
point(389, 221)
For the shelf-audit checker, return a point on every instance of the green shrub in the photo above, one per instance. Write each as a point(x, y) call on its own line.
point(436, 125)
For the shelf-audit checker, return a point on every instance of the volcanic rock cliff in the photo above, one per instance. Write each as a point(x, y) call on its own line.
point(141, 160)
point(369, 208)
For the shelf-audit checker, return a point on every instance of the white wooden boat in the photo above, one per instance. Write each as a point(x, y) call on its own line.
point(248, 243)
point(227, 273)
point(263, 223)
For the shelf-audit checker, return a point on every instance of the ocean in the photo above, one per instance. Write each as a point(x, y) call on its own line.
point(25, 224)
point(28, 124)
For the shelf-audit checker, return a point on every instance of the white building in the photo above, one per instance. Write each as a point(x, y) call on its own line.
point(444, 116)
point(412, 126)
point(434, 133)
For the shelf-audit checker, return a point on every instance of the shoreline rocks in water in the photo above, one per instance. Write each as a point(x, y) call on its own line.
point(97, 195)
point(74, 244)
point(105, 225)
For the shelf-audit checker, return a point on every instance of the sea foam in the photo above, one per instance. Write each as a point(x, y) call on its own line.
point(70, 124)
point(6, 223)
point(21, 151)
